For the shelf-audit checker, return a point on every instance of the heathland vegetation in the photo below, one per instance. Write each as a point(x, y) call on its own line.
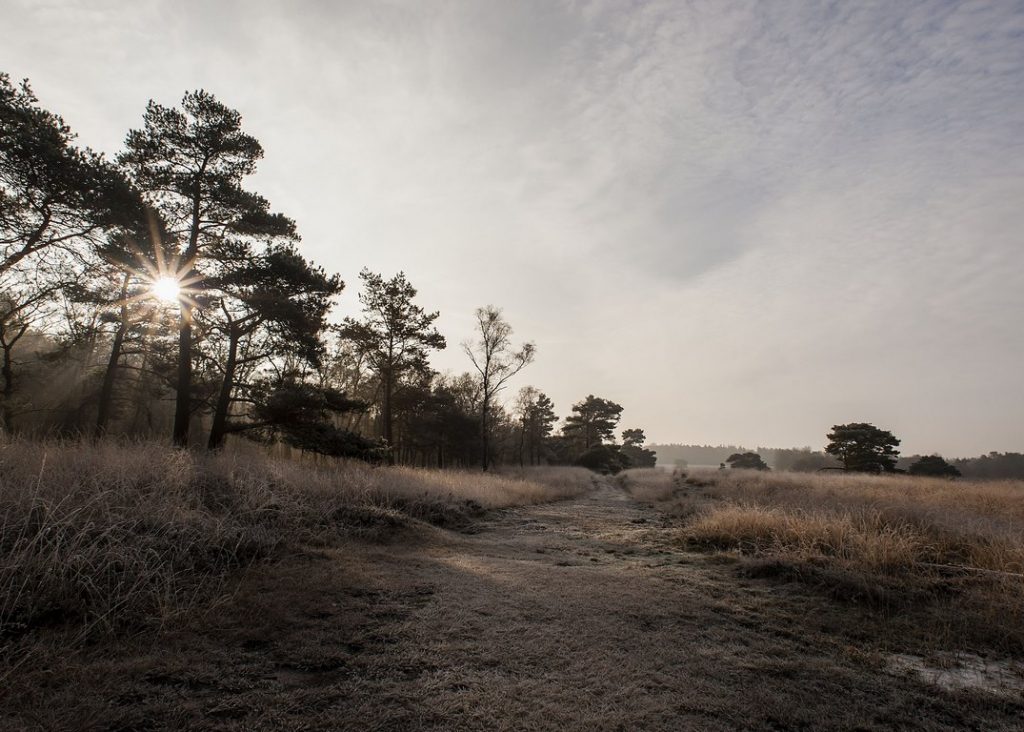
point(944, 559)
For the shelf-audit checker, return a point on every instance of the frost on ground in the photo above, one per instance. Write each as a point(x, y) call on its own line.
point(963, 671)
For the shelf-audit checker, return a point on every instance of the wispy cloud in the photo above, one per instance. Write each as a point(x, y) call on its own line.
point(744, 220)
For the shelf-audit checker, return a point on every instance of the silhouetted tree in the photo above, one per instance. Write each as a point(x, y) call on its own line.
point(864, 448)
point(746, 461)
point(395, 336)
point(496, 361)
point(269, 302)
point(190, 164)
point(54, 196)
point(302, 415)
point(55, 202)
point(592, 421)
point(934, 466)
point(635, 452)
point(535, 413)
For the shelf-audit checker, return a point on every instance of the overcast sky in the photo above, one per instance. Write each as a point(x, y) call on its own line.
point(745, 222)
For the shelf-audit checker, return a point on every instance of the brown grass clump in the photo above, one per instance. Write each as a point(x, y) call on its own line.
point(882, 521)
point(100, 537)
point(864, 538)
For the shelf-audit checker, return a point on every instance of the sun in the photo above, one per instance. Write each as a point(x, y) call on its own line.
point(166, 289)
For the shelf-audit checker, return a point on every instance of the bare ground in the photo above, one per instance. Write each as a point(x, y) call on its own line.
point(579, 615)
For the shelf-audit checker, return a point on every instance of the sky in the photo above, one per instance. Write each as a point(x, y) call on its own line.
point(743, 221)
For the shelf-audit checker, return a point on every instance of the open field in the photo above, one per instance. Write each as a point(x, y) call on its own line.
point(596, 612)
point(947, 554)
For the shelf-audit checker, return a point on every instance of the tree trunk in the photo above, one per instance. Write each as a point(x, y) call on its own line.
point(183, 398)
point(7, 342)
point(110, 375)
point(486, 458)
point(8, 390)
point(218, 430)
point(386, 417)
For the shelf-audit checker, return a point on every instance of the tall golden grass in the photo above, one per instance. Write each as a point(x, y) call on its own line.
point(892, 521)
point(97, 537)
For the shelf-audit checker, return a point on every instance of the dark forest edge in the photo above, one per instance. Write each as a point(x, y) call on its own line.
point(155, 294)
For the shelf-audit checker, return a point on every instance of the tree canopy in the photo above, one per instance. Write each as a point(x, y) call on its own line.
point(593, 421)
point(862, 447)
point(496, 361)
point(746, 461)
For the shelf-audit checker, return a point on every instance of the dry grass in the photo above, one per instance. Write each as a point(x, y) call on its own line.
point(577, 615)
point(954, 550)
point(650, 484)
point(97, 538)
point(882, 521)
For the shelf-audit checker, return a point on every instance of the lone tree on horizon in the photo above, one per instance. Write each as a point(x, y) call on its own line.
point(863, 448)
point(747, 461)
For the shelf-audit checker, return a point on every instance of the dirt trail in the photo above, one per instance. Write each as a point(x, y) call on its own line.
point(580, 615)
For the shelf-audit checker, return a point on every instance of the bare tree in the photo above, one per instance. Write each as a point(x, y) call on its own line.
point(496, 361)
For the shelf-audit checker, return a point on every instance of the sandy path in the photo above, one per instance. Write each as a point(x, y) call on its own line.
point(578, 615)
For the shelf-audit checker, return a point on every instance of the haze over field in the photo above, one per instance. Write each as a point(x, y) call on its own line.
point(745, 222)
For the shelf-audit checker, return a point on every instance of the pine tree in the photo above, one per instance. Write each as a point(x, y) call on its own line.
point(395, 335)
point(190, 164)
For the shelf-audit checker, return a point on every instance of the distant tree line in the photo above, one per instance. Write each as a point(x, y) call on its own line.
point(156, 294)
point(803, 459)
point(855, 447)
point(995, 465)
